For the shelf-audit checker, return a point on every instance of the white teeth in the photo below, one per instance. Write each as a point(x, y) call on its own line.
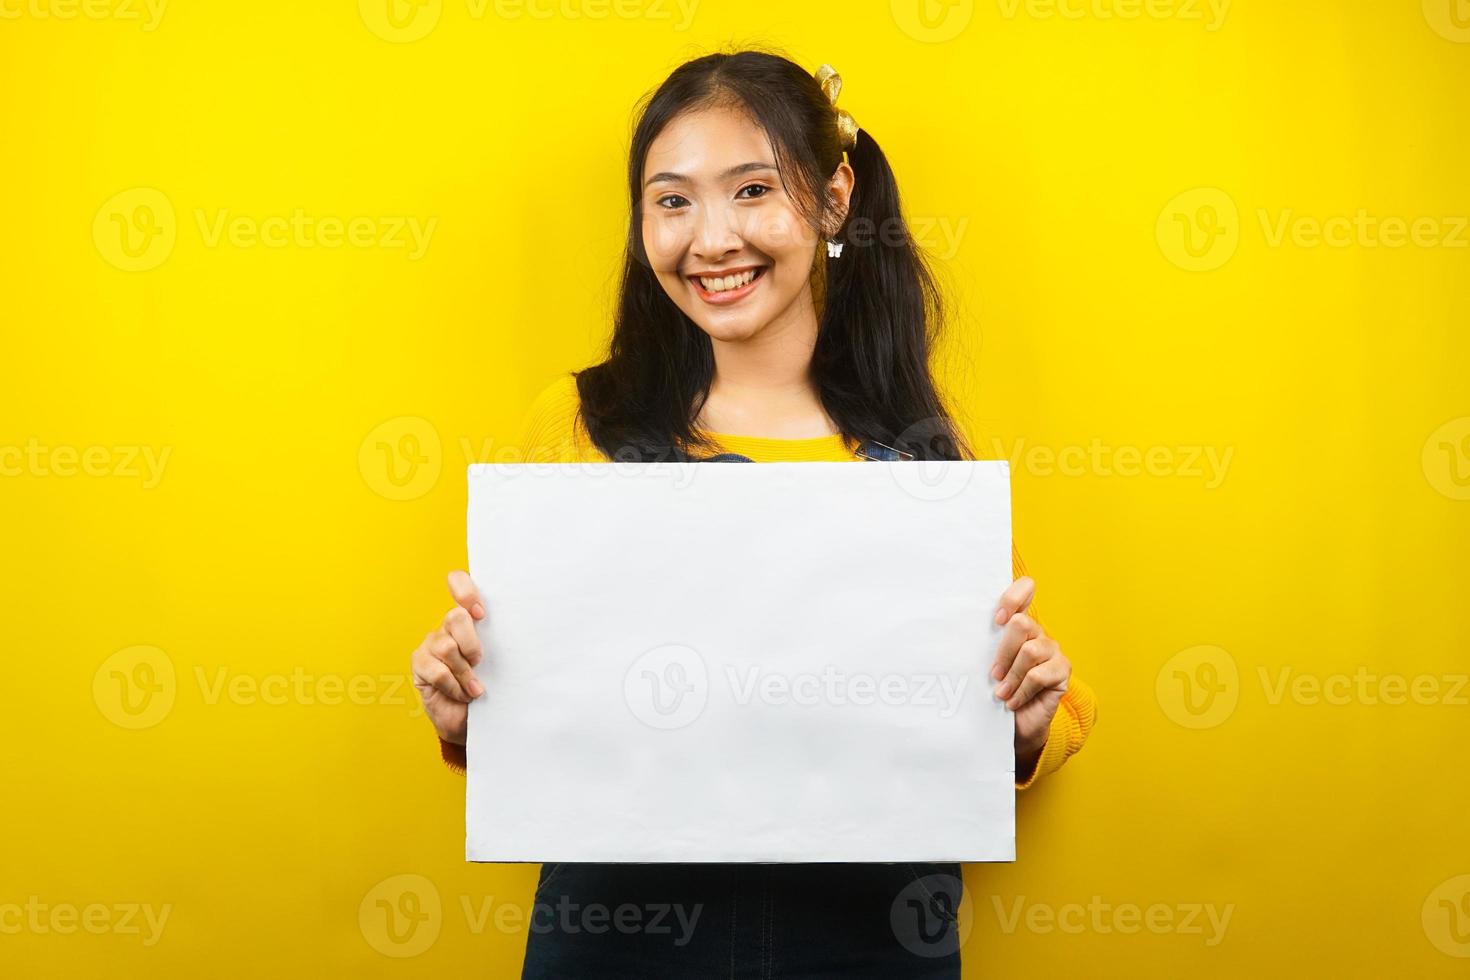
point(721, 283)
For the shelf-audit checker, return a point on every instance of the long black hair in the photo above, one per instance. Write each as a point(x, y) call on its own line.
point(880, 310)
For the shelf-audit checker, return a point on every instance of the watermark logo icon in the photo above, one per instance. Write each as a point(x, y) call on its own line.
point(136, 229)
point(401, 458)
point(1199, 230)
point(1446, 916)
point(1198, 687)
point(135, 687)
point(1446, 459)
point(929, 479)
point(929, 917)
point(932, 21)
point(401, 916)
point(1450, 19)
point(401, 21)
point(667, 687)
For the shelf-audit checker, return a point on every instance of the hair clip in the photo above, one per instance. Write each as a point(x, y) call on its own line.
point(831, 84)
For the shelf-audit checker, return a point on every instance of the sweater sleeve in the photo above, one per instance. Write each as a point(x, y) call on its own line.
point(549, 433)
point(453, 755)
point(1076, 713)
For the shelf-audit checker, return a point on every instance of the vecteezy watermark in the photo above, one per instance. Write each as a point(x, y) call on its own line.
point(1209, 13)
point(298, 687)
point(1200, 229)
point(36, 459)
point(401, 21)
point(1200, 687)
point(932, 21)
point(301, 230)
point(839, 688)
point(1446, 458)
point(137, 688)
point(141, 919)
point(1450, 19)
point(400, 459)
point(667, 687)
point(403, 916)
point(679, 14)
point(1204, 919)
point(405, 21)
point(1362, 229)
point(1191, 462)
point(670, 686)
point(137, 229)
point(932, 480)
point(932, 476)
point(1446, 916)
point(147, 13)
point(936, 21)
point(672, 920)
point(940, 236)
point(403, 457)
point(1363, 686)
point(929, 916)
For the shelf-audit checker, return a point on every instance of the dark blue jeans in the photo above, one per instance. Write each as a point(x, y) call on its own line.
point(737, 921)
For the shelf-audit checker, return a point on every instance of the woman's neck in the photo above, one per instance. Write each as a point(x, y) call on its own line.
point(762, 386)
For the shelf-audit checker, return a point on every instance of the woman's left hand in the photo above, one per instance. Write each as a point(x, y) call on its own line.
point(1032, 670)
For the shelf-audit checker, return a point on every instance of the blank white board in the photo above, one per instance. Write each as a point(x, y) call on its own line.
point(725, 662)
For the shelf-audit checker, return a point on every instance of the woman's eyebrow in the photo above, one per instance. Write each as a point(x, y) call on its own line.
point(743, 168)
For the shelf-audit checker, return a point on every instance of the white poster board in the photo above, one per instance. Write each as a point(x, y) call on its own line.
point(728, 662)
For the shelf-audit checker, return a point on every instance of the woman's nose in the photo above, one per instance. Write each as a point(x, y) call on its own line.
point(716, 235)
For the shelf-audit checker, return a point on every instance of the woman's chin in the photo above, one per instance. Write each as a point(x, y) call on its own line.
point(731, 329)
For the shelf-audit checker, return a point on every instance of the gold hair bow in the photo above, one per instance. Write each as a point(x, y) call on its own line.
point(847, 126)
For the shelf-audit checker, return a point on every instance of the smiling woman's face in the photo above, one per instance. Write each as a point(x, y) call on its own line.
point(722, 233)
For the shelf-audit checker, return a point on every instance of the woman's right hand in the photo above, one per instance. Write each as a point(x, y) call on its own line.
point(443, 665)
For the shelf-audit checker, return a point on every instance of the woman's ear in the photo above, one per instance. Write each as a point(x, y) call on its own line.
point(839, 194)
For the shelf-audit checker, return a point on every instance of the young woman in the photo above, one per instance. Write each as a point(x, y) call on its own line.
point(773, 306)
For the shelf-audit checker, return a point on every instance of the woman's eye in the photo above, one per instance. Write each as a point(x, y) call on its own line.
point(672, 201)
point(762, 188)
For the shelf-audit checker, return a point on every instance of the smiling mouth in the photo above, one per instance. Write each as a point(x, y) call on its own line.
point(729, 288)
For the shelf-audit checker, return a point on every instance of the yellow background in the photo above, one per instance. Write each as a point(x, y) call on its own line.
point(1069, 154)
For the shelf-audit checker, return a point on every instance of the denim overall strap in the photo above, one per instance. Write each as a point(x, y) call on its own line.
point(869, 449)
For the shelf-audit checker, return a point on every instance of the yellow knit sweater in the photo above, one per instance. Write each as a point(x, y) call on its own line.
point(552, 433)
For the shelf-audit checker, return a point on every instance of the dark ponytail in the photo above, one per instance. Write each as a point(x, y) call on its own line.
point(880, 311)
point(881, 318)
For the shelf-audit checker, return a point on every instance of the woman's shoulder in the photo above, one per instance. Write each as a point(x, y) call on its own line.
point(557, 401)
point(552, 430)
